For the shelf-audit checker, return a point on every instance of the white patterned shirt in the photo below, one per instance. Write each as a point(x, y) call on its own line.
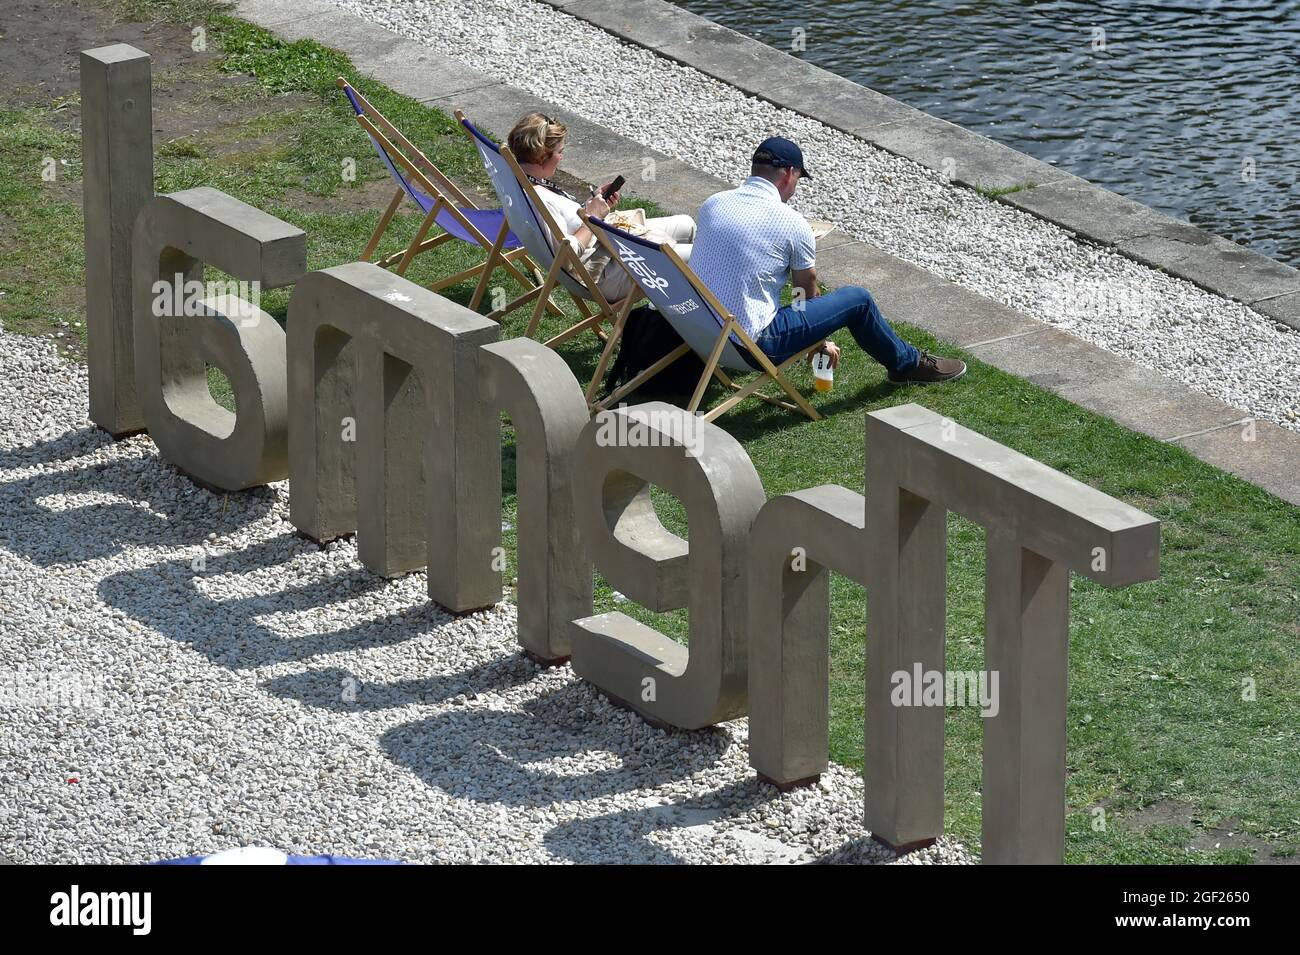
point(747, 243)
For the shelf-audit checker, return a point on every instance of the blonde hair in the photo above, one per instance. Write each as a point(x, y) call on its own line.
point(536, 137)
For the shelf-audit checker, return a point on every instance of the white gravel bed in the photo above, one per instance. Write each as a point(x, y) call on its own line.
point(1168, 325)
point(275, 693)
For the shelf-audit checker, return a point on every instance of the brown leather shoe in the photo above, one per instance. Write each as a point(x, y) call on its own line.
point(930, 369)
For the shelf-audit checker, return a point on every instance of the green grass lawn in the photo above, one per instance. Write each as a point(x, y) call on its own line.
point(1156, 715)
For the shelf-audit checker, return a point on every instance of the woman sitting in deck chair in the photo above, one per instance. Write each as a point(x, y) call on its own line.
point(537, 142)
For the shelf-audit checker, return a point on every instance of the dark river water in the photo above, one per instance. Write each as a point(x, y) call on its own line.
point(1193, 108)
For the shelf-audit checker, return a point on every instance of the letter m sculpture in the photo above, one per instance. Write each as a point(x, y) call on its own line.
point(387, 433)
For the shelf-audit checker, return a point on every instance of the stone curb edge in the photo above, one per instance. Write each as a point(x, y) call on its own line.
point(1078, 371)
point(1099, 215)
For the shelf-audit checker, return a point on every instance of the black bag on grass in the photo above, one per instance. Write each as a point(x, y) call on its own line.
point(647, 337)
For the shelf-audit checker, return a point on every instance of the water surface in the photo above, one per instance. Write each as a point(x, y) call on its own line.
point(1193, 108)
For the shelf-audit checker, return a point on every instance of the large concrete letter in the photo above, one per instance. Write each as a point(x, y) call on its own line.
point(174, 340)
point(620, 453)
point(532, 384)
point(388, 435)
point(1041, 525)
point(117, 182)
point(796, 540)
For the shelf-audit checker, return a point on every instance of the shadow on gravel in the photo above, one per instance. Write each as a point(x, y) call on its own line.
point(524, 758)
point(70, 444)
point(620, 837)
point(338, 690)
point(155, 505)
point(863, 851)
point(166, 597)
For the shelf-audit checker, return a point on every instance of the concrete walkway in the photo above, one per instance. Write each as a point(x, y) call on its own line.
point(1226, 437)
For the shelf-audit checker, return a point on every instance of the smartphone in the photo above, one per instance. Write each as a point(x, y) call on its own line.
point(614, 187)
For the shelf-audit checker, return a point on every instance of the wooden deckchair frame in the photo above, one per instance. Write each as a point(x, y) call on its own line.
point(769, 373)
point(447, 197)
point(565, 256)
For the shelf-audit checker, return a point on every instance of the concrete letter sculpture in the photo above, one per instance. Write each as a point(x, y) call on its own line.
point(387, 433)
point(532, 384)
point(620, 453)
point(1041, 525)
point(175, 338)
point(117, 182)
point(387, 421)
point(797, 539)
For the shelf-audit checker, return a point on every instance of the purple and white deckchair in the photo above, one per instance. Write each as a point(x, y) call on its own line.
point(442, 202)
point(704, 324)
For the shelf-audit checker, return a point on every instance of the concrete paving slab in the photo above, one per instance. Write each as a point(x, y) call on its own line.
point(750, 66)
point(841, 103)
point(1282, 308)
point(1213, 263)
point(594, 153)
point(1150, 404)
point(1270, 460)
point(493, 109)
point(860, 263)
point(1053, 359)
point(834, 240)
point(1088, 210)
point(971, 159)
point(679, 188)
point(650, 25)
point(907, 293)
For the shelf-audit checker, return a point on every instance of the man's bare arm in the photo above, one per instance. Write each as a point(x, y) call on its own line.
point(805, 283)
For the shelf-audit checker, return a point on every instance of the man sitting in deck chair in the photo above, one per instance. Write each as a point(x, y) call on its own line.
point(750, 243)
point(537, 142)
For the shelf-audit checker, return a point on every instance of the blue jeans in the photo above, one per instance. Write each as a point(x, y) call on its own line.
point(851, 307)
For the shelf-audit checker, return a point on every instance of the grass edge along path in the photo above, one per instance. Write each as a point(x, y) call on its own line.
point(1184, 691)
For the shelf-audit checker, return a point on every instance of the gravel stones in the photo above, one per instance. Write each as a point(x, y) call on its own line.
point(182, 673)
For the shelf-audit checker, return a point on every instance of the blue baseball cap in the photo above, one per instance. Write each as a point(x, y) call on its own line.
point(781, 153)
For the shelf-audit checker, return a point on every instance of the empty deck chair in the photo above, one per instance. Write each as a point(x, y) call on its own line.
point(443, 203)
point(546, 243)
point(706, 328)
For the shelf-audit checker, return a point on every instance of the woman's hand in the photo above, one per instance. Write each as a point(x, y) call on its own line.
point(597, 207)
